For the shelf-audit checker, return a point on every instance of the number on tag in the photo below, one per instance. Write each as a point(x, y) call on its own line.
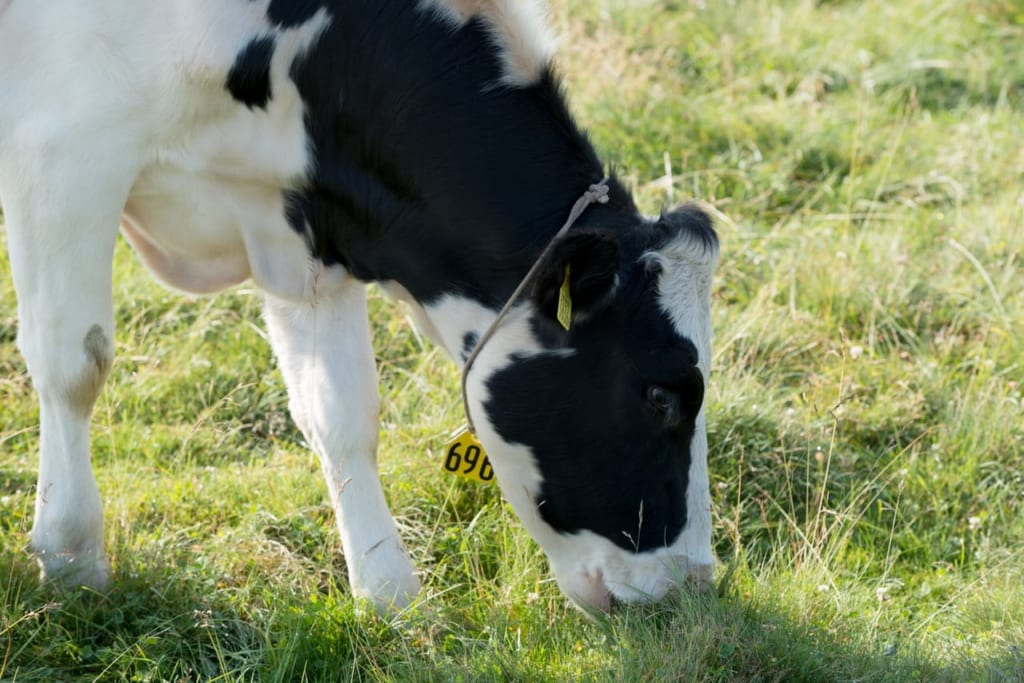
point(466, 458)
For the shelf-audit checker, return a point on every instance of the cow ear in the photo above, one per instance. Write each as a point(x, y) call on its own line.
point(591, 260)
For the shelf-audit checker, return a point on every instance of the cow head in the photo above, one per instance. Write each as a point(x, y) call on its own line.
point(596, 433)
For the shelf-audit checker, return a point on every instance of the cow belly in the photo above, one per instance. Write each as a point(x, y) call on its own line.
point(202, 234)
point(189, 273)
point(187, 231)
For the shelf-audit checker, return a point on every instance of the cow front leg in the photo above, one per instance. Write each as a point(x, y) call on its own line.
point(324, 349)
point(61, 229)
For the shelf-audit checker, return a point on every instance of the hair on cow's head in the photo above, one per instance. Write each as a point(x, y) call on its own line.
point(592, 259)
point(691, 221)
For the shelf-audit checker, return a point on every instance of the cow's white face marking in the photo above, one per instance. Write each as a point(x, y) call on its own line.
point(687, 265)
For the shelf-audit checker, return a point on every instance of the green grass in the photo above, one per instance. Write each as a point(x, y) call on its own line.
point(866, 415)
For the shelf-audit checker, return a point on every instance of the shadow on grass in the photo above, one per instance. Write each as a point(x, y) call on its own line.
point(732, 637)
point(153, 627)
point(185, 624)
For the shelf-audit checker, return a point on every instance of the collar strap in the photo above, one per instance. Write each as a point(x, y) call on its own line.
point(596, 194)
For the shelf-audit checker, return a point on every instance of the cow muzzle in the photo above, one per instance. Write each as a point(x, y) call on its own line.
point(593, 593)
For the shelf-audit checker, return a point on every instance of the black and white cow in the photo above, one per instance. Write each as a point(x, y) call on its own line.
point(315, 146)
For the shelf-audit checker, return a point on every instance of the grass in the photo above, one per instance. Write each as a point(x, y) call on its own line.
point(866, 416)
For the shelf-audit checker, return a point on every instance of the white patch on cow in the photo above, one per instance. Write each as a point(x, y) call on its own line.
point(518, 27)
point(694, 543)
point(419, 316)
point(454, 317)
point(687, 265)
point(514, 464)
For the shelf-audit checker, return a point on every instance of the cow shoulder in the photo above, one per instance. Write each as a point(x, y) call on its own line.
point(208, 211)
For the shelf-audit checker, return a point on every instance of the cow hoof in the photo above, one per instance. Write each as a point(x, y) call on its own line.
point(71, 571)
point(390, 596)
point(386, 579)
point(701, 577)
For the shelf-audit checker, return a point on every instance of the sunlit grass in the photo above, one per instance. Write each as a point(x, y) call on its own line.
point(866, 415)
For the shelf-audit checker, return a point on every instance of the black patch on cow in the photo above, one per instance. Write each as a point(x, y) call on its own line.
point(469, 341)
point(249, 77)
point(292, 13)
point(428, 171)
point(610, 461)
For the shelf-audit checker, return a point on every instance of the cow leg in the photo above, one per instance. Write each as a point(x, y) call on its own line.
point(325, 353)
point(62, 208)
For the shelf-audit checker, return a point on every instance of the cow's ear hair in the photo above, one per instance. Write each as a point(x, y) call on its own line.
point(592, 259)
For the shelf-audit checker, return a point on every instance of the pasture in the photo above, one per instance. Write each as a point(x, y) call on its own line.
point(865, 161)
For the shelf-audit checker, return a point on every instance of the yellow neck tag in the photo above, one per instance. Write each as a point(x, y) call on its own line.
point(565, 302)
point(465, 457)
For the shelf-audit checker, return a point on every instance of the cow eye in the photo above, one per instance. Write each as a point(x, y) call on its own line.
point(665, 403)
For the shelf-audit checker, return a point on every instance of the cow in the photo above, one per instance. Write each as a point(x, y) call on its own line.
point(315, 147)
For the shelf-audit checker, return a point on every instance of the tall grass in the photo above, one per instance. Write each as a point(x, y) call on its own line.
point(866, 417)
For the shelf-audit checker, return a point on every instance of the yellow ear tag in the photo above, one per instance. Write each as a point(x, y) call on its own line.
point(466, 458)
point(565, 302)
